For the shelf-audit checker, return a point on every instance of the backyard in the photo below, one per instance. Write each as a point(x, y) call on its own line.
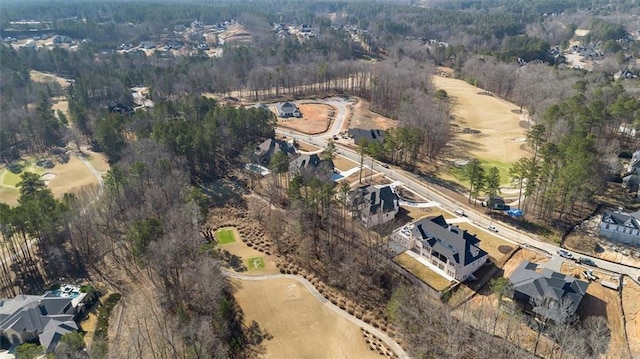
point(422, 272)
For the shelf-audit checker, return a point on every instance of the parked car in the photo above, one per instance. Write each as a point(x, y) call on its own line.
point(565, 254)
point(587, 261)
point(459, 212)
point(385, 165)
point(588, 274)
point(492, 228)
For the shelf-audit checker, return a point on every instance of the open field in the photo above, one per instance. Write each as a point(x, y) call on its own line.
point(225, 235)
point(631, 307)
point(300, 325)
point(240, 249)
point(421, 271)
point(303, 146)
point(493, 245)
point(343, 163)
point(484, 126)
point(315, 118)
point(363, 118)
point(41, 77)
point(255, 263)
point(62, 178)
point(236, 34)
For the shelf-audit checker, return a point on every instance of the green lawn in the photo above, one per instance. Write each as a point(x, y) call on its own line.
point(457, 173)
point(255, 263)
point(225, 236)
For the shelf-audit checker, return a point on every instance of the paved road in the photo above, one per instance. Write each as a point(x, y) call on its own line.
point(474, 214)
point(375, 331)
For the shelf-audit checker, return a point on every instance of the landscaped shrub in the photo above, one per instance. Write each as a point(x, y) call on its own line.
point(102, 327)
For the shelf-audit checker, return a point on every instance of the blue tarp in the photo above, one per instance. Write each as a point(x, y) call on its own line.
point(515, 212)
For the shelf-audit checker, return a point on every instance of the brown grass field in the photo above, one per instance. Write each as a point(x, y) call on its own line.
point(493, 245)
point(364, 118)
point(68, 177)
point(41, 77)
point(301, 326)
point(421, 271)
point(631, 306)
point(501, 136)
point(315, 119)
point(236, 34)
point(343, 163)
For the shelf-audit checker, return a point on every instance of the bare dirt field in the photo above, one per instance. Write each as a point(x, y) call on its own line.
point(300, 325)
point(631, 307)
point(41, 77)
point(236, 34)
point(603, 302)
point(496, 247)
point(315, 119)
point(521, 256)
point(363, 118)
point(486, 126)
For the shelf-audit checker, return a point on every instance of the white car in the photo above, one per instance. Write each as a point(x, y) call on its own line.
point(565, 254)
point(492, 228)
point(459, 212)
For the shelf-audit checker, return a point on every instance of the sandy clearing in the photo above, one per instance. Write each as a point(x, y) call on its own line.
point(235, 33)
point(301, 326)
point(581, 32)
point(365, 118)
point(501, 136)
point(60, 103)
point(631, 306)
point(43, 77)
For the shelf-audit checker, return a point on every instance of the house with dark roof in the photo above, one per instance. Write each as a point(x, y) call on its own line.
point(621, 227)
point(631, 183)
point(264, 152)
point(375, 204)
point(547, 293)
point(288, 109)
point(311, 165)
point(29, 318)
point(449, 250)
point(369, 135)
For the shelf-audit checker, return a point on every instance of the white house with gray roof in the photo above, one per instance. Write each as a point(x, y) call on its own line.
point(27, 318)
point(621, 227)
point(288, 109)
point(375, 204)
point(547, 293)
point(448, 249)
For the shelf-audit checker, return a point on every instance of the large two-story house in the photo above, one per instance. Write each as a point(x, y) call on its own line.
point(267, 149)
point(374, 204)
point(621, 227)
point(448, 249)
point(288, 109)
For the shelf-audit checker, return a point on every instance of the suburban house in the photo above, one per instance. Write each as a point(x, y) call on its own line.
point(44, 318)
point(262, 106)
point(372, 135)
point(311, 165)
point(288, 109)
point(634, 164)
point(621, 227)
point(263, 153)
point(375, 204)
point(631, 183)
point(547, 293)
point(448, 250)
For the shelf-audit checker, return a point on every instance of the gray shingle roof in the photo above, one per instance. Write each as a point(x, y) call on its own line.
point(376, 196)
point(631, 220)
point(448, 240)
point(548, 285)
point(370, 135)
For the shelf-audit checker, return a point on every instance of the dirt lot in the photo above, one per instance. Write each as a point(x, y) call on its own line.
point(236, 34)
point(500, 137)
point(301, 326)
point(493, 245)
point(631, 307)
point(343, 163)
point(521, 256)
point(315, 119)
point(41, 77)
point(364, 118)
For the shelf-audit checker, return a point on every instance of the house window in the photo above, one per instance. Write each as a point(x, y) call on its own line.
point(434, 262)
point(607, 226)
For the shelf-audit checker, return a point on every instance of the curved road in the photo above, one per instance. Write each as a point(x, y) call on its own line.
point(416, 184)
point(377, 332)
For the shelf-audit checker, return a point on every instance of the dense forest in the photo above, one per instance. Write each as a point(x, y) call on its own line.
point(147, 226)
